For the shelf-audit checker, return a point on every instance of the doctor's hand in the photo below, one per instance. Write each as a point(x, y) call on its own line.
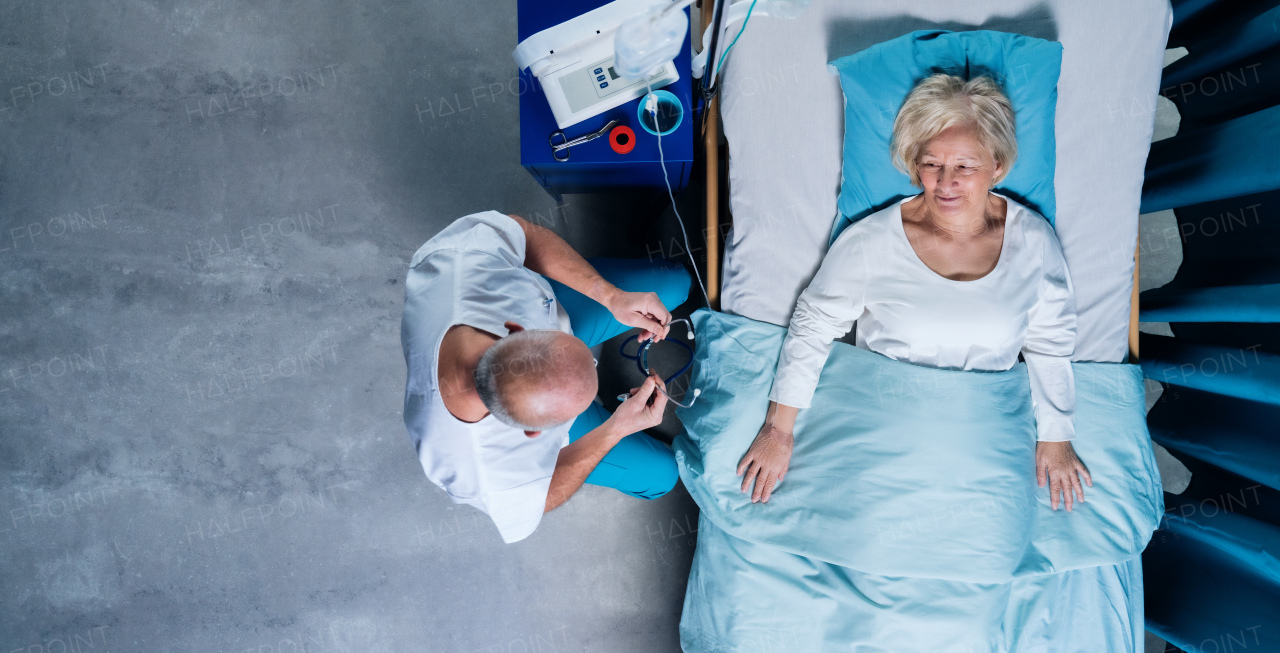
point(642, 410)
point(769, 456)
point(1057, 462)
point(640, 309)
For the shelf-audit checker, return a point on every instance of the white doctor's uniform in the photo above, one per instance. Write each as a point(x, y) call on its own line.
point(473, 273)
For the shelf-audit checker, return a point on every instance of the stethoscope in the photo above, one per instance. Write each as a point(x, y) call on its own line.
point(641, 358)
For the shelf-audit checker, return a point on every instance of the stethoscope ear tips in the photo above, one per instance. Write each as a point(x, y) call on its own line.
point(697, 392)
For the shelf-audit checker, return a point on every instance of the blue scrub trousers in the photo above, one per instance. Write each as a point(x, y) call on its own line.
point(638, 465)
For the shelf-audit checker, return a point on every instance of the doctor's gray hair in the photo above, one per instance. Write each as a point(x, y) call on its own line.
point(942, 101)
point(516, 363)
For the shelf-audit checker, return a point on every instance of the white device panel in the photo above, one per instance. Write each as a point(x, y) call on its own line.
point(573, 62)
point(576, 94)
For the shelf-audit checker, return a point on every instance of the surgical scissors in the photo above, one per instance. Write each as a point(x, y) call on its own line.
point(556, 147)
point(641, 358)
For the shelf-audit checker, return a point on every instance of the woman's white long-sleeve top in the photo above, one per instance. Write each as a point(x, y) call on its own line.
point(908, 312)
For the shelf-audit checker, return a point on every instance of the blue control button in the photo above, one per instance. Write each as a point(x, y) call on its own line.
point(604, 84)
point(597, 71)
point(599, 78)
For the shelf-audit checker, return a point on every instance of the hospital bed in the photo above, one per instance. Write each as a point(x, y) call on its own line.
point(782, 117)
point(782, 113)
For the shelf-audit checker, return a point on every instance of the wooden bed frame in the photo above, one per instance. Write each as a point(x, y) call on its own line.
point(711, 148)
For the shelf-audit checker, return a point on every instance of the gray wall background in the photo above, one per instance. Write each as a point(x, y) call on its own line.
point(207, 210)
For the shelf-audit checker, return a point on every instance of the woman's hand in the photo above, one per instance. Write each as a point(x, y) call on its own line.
point(642, 410)
point(1057, 462)
point(767, 460)
point(640, 309)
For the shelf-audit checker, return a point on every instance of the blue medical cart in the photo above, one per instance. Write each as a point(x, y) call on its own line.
point(594, 166)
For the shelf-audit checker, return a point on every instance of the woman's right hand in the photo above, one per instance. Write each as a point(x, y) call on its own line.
point(767, 460)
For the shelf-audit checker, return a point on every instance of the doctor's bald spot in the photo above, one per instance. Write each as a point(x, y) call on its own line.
point(536, 379)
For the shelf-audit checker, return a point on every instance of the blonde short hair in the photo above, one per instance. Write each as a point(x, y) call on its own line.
point(942, 101)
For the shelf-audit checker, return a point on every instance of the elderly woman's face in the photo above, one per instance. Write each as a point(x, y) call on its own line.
point(956, 172)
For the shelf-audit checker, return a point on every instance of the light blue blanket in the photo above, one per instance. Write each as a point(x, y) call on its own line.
point(752, 598)
point(900, 473)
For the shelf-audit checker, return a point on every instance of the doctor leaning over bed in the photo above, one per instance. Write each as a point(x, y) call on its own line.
point(500, 397)
point(956, 277)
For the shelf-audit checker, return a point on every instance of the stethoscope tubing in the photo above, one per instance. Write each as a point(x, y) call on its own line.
point(641, 358)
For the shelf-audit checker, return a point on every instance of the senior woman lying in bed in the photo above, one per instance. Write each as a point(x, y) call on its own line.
point(957, 277)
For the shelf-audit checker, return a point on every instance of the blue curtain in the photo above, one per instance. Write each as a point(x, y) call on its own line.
point(1212, 571)
point(1232, 70)
point(1209, 576)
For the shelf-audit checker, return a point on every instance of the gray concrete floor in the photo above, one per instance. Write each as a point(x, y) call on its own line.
point(1160, 250)
point(1160, 257)
point(207, 211)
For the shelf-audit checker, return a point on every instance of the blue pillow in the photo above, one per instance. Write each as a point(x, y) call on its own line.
point(877, 80)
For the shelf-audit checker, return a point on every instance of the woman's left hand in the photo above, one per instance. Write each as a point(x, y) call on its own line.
point(769, 457)
point(1057, 463)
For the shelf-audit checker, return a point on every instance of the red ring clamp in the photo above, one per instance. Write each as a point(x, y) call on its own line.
point(622, 139)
